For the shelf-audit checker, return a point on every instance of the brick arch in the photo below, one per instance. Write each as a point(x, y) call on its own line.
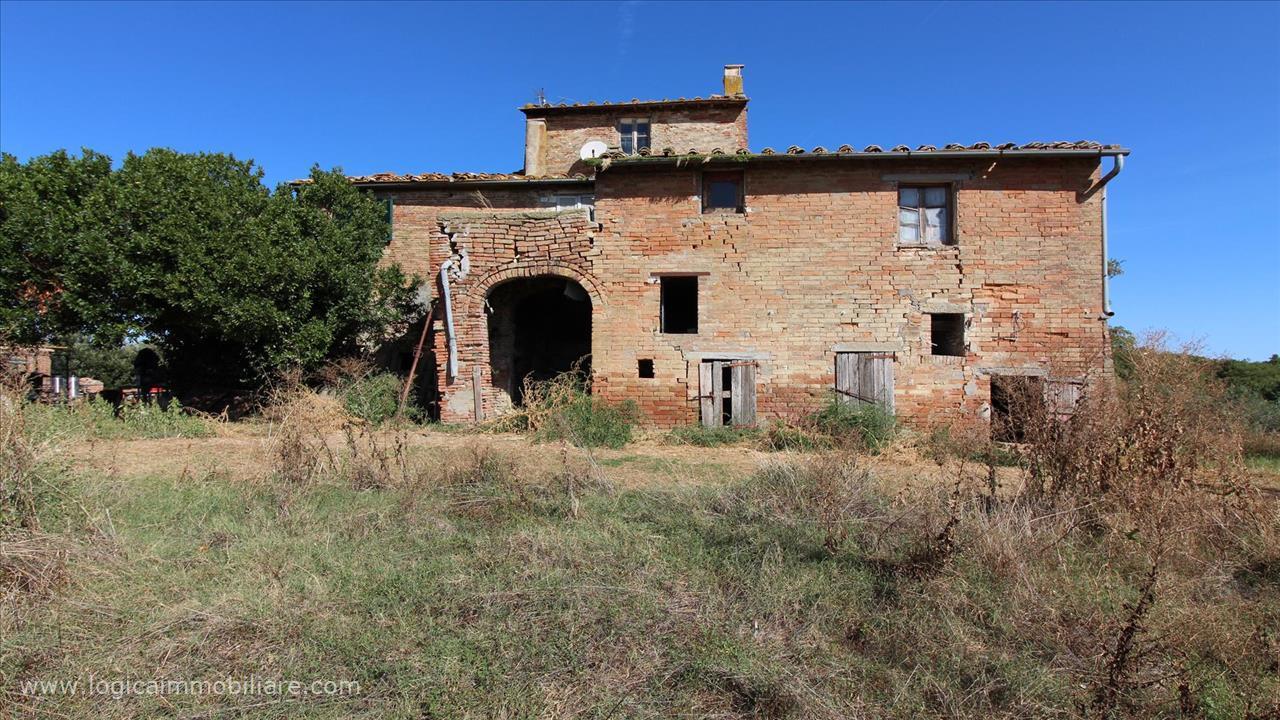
point(478, 291)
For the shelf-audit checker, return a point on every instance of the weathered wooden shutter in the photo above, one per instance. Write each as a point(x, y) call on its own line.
point(744, 393)
point(741, 392)
point(865, 377)
point(390, 205)
point(708, 378)
point(1062, 397)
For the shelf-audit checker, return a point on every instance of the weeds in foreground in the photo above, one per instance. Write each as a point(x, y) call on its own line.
point(807, 591)
point(563, 409)
point(18, 459)
point(838, 424)
point(453, 585)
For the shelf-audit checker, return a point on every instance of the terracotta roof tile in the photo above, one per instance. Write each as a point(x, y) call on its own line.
point(903, 149)
point(461, 177)
point(607, 104)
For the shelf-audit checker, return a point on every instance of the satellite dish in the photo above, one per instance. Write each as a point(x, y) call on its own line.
point(593, 149)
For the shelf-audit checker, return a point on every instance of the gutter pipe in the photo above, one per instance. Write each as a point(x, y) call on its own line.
point(451, 368)
point(1106, 281)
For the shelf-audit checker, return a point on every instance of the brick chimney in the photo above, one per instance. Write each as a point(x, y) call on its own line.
point(733, 80)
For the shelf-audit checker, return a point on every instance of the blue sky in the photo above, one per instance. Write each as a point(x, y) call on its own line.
point(1193, 89)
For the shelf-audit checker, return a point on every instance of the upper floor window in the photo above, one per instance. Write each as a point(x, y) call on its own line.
point(634, 134)
point(924, 215)
point(722, 191)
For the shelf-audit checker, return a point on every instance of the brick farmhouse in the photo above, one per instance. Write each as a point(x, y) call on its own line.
point(716, 284)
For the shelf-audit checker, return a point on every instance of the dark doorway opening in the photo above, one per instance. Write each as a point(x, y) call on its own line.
point(1017, 402)
point(539, 327)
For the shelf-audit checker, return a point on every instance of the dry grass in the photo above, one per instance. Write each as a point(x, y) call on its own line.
point(485, 576)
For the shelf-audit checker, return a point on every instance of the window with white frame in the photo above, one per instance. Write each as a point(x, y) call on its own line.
point(924, 215)
point(633, 134)
point(572, 202)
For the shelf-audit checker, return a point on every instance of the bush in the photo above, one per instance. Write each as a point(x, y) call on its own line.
point(1260, 414)
point(98, 418)
point(870, 425)
point(588, 421)
point(146, 420)
point(563, 408)
point(374, 398)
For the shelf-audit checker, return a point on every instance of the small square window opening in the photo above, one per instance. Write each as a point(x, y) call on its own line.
point(645, 367)
point(924, 216)
point(679, 304)
point(946, 334)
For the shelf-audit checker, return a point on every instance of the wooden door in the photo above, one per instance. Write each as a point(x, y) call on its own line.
point(743, 393)
point(727, 392)
point(865, 377)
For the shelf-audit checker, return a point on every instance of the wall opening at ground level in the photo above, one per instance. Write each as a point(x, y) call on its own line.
point(1017, 401)
point(539, 327)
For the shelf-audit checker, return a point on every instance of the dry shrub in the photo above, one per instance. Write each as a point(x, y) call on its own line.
point(375, 460)
point(300, 419)
point(481, 484)
point(17, 458)
point(828, 491)
point(1149, 474)
point(1168, 429)
point(302, 453)
point(343, 371)
point(32, 567)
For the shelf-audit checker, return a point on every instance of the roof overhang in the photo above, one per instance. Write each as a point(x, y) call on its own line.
point(445, 184)
point(608, 163)
point(677, 104)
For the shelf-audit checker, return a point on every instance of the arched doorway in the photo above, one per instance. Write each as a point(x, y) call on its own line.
point(539, 327)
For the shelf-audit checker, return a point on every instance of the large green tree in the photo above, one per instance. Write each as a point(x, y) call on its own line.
point(195, 254)
point(48, 283)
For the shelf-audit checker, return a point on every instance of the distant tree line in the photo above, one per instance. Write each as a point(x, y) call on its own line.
point(1253, 385)
point(193, 254)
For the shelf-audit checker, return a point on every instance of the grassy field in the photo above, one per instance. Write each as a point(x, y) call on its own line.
point(490, 576)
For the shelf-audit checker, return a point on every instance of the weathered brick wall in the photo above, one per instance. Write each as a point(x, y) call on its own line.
point(506, 233)
point(501, 247)
point(417, 244)
point(815, 264)
point(702, 128)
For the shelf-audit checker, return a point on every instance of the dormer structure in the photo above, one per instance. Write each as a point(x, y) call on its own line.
point(558, 138)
